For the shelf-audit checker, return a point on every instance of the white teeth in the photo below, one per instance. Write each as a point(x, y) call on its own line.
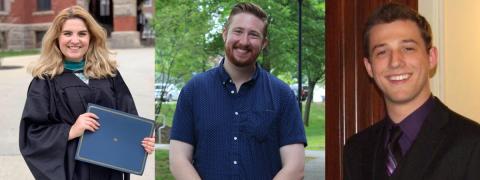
point(242, 50)
point(399, 77)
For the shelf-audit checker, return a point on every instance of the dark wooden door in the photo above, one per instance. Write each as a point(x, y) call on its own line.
point(352, 100)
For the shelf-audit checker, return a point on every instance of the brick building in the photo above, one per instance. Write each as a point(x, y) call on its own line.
point(24, 22)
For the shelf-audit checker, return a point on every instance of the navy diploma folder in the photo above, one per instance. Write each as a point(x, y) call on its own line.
point(117, 143)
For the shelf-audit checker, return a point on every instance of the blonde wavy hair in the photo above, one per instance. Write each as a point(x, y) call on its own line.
point(98, 60)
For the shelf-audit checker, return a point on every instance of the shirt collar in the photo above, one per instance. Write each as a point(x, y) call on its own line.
point(412, 123)
point(225, 77)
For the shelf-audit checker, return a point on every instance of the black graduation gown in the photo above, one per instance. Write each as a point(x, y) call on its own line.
point(51, 108)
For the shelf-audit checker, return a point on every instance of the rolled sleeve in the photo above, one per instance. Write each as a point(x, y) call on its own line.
point(291, 124)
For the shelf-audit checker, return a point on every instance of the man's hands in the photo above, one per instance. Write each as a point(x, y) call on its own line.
point(86, 121)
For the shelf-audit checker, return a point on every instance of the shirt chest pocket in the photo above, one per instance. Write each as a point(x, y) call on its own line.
point(259, 125)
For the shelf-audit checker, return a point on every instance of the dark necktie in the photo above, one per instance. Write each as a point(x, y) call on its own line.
point(394, 152)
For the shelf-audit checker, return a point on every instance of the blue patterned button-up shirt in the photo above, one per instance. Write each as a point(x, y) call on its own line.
point(237, 134)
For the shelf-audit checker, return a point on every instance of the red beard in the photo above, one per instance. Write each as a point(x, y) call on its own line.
point(249, 61)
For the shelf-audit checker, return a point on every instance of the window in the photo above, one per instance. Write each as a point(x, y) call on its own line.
point(2, 5)
point(44, 5)
point(105, 8)
point(38, 38)
point(147, 3)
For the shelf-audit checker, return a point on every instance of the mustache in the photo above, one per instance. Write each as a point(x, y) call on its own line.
point(244, 47)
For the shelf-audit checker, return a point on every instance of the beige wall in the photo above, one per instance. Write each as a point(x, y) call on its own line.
point(433, 11)
point(458, 34)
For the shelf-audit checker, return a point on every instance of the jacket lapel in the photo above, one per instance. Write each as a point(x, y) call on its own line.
point(424, 148)
point(378, 166)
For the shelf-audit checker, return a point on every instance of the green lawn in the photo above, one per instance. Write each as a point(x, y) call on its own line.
point(162, 171)
point(168, 110)
point(10, 53)
point(316, 129)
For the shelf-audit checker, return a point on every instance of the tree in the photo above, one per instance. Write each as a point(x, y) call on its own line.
point(180, 28)
point(189, 36)
point(313, 49)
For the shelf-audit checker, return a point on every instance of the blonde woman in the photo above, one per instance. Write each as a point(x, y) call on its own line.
point(74, 69)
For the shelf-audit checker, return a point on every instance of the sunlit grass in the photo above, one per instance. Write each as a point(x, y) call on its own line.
point(316, 130)
point(10, 53)
point(162, 171)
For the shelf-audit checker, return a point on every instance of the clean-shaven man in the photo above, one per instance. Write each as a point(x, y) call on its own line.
point(420, 138)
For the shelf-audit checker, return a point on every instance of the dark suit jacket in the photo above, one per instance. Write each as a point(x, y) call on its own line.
point(447, 148)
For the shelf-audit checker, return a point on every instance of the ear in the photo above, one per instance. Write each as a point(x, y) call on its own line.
point(368, 67)
point(433, 57)
point(265, 43)
point(224, 34)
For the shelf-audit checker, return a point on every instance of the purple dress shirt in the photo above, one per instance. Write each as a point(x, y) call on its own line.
point(411, 125)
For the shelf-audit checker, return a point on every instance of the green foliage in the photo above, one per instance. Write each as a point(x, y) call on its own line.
point(188, 37)
point(314, 41)
point(181, 44)
point(189, 40)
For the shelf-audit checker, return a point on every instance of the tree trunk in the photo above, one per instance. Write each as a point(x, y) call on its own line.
point(308, 103)
point(157, 135)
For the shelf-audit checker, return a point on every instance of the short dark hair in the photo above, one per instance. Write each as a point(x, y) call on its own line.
point(394, 11)
point(251, 8)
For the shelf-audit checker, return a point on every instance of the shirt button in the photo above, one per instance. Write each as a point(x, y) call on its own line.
point(235, 138)
point(236, 113)
point(234, 162)
point(232, 91)
point(230, 81)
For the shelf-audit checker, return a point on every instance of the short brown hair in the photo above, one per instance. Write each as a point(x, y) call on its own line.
point(250, 8)
point(391, 12)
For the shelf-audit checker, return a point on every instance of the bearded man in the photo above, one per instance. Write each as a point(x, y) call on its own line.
point(237, 121)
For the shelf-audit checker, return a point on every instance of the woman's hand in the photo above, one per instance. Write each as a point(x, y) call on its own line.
point(148, 144)
point(86, 121)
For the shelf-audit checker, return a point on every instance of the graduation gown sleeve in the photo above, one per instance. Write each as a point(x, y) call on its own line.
point(43, 137)
point(123, 97)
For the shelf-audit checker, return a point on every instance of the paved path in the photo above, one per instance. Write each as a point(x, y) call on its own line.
point(315, 168)
point(137, 68)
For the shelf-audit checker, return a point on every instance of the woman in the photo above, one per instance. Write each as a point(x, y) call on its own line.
point(74, 69)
